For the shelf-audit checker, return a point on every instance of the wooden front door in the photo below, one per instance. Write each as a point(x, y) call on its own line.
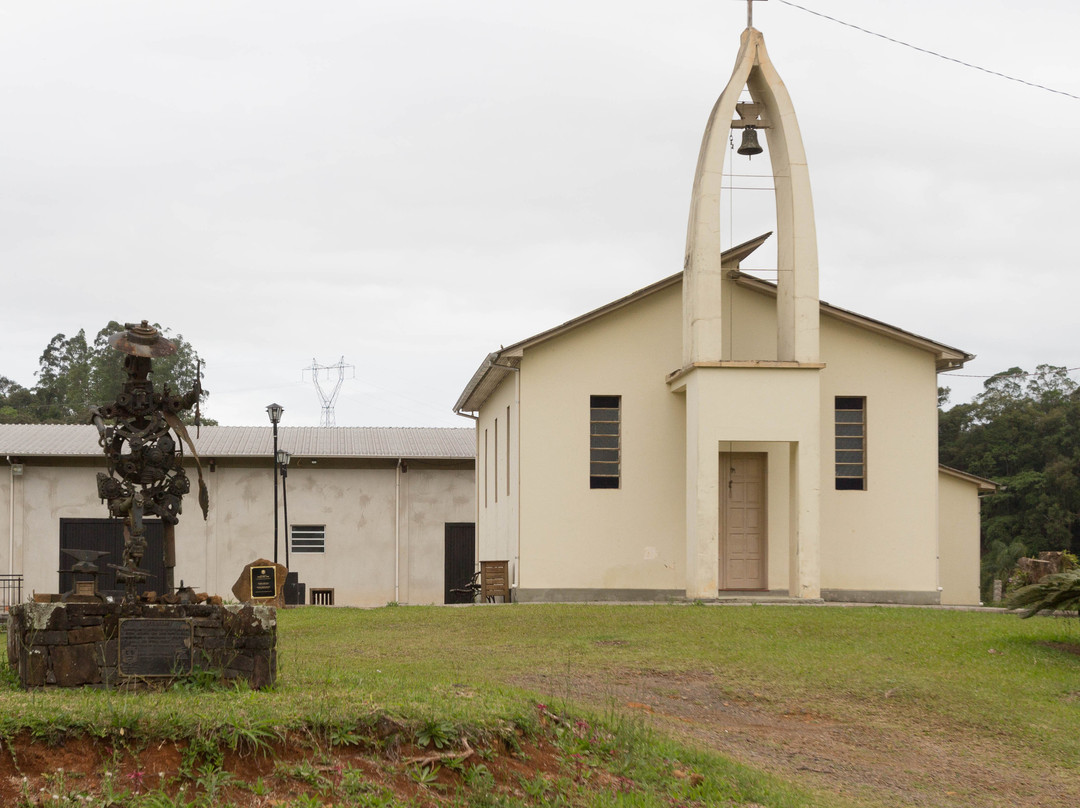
point(460, 561)
point(743, 539)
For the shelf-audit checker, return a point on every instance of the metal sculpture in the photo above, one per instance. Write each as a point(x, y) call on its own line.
point(145, 462)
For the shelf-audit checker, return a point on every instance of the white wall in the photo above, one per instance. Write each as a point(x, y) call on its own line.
point(633, 537)
point(958, 528)
point(497, 475)
point(883, 538)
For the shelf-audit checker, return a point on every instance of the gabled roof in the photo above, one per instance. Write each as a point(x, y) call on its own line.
point(497, 365)
point(985, 486)
point(415, 443)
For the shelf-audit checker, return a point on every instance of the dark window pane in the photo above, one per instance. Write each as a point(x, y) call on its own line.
point(849, 403)
point(849, 416)
point(611, 469)
point(604, 415)
point(605, 429)
point(849, 470)
point(603, 482)
point(849, 457)
point(849, 443)
point(604, 442)
point(604, 455)
point(849, 484)
point(849, 429)
point(604, 401)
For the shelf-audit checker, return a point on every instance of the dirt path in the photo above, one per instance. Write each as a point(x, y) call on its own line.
point(909, 764)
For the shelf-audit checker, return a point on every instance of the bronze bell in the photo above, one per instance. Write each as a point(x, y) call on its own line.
point(749, 145)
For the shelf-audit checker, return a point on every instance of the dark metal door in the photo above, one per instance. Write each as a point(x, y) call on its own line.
point(108, 535)
point(460, 559)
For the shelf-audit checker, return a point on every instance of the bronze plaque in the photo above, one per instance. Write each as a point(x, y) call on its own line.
point(263, 582)
point(155, 647)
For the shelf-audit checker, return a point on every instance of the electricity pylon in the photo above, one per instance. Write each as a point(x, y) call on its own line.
point(326, 395)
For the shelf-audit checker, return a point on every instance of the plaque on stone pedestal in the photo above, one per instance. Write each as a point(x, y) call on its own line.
point(154, 647)
point(263, 582)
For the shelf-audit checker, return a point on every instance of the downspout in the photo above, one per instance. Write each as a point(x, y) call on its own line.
point(397, 530)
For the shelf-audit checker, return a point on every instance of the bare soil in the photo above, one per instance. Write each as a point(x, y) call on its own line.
point(900, 764)
point(32, 772)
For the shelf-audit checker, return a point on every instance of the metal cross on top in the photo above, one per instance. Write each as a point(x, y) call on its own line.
point(750, 12)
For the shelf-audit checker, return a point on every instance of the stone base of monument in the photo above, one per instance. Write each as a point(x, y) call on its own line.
point(140, 645)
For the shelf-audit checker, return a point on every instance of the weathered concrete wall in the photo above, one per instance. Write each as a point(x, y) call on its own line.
point(355, 504)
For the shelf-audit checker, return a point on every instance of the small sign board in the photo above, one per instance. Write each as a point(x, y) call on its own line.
point(263, 582)
point(155, 646)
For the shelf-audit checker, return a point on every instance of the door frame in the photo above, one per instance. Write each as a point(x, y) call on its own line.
point(725, 475)
point(453, 530)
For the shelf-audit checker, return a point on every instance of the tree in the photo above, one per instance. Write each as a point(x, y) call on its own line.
point(74, 375)
point(1023, 431)
point(15, 401)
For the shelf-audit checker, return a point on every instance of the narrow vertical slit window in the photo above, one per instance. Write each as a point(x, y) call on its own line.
point(496, 460)
point(485, 468)
point(605, 434)
point(850, 443)
point(507, 450)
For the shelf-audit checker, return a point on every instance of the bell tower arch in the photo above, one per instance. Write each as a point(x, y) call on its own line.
point(706, 286)
point(755, 400)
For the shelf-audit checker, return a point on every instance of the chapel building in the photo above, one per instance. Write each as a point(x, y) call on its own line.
point(716, 434)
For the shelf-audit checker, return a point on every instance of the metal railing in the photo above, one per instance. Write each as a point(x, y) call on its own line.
point(10, 592)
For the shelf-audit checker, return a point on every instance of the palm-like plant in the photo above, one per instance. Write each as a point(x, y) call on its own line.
point(1058, 591)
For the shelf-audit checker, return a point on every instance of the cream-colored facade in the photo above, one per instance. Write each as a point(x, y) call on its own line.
point(733, 474)
point(384, 517)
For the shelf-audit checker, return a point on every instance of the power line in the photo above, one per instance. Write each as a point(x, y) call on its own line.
point(930, 52)
point(1002, 375)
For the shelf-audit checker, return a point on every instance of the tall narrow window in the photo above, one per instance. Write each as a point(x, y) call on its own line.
point(507, 450)
point(850, 443)
point(485, 468)
point(604, 447)
point(496, 459)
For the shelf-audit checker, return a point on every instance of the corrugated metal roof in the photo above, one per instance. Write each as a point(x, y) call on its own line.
point(40, 440)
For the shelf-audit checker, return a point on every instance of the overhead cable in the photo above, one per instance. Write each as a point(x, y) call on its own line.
point(930, 52)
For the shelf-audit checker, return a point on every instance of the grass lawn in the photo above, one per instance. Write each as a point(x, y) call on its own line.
point(967, 708)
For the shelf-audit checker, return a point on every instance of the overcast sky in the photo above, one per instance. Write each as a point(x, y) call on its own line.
point(410, 184)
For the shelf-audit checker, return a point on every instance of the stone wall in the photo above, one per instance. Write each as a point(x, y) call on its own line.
point(79, 644)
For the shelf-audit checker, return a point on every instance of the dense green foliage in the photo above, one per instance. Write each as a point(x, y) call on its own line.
point(1060, 591)
point(1022, 431)
point(74, 374)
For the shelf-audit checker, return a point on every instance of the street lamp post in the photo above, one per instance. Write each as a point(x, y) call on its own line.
point(275, 411)
point(283, 458)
